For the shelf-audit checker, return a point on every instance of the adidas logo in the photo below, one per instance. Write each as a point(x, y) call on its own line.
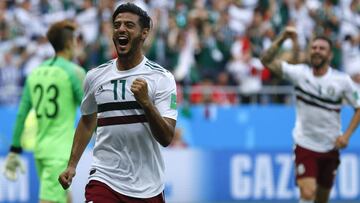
point(99, 90)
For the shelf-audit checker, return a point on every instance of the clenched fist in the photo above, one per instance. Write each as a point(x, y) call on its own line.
point(140, 89)
point(289, 32)
point(341, 142)
point(65, 178)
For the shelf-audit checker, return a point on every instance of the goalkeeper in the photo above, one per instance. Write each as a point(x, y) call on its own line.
point(54, 90)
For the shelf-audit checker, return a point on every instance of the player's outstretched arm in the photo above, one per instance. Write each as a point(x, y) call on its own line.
point(13, 163)
point(343, 140)
point(269, 59)
point(82, 137)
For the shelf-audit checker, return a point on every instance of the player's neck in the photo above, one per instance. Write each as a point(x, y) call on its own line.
point(127, 63)
point(64, 54)
point(320, 71)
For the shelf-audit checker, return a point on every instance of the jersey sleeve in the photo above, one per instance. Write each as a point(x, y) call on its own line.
point(77, 84)
point(165, 97)
point(352, 93)
point(24, 108)
point(88, 104)
point(292, 72)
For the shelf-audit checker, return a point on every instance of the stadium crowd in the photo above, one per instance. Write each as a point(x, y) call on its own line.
point(212, 47)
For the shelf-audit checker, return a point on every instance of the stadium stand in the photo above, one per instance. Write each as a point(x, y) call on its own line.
point(203, 42)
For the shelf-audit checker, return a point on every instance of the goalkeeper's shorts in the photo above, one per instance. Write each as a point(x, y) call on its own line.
point(48, 173)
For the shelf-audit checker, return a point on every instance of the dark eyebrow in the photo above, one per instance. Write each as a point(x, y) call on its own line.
point(132, 22)
point(124, 21)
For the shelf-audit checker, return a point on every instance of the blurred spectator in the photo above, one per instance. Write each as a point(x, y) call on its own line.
point(5, 19)
point(301, 19)
point(222, 94)
point(279, 14)
point(10, 79)
point(240, 16)
point(87, 21)
point(38, 49)
point(245, 69)
point(219, 93)
point(350, 22)
point(255, 32)
point(26, 20)
point(201, 93)
point(351, 56)
point(209, 57)
point(188, 43)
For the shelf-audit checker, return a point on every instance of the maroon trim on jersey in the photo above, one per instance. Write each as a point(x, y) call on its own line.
point(315, 104)
point(119, 120)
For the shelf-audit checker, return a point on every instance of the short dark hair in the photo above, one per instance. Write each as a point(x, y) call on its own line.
point(322, 37)
point(59, 33)
point(144, 18)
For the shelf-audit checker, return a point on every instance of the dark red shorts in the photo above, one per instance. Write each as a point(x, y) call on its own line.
point(98, 192)
point(321, 166)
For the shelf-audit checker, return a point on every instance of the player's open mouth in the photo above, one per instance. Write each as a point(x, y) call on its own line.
point(123, 41)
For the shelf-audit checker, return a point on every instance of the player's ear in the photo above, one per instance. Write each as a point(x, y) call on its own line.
point(69, 44)
point(331, 56)
point(144, 33)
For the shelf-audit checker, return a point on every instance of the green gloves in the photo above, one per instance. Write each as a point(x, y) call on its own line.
point(13, 163)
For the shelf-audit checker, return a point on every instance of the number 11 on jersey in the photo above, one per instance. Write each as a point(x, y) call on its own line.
point(115, 83)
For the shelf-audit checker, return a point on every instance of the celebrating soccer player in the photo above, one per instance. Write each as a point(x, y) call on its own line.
point(132, 102)
point(319, 91)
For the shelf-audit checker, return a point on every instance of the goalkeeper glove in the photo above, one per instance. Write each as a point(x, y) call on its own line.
point(13, 163)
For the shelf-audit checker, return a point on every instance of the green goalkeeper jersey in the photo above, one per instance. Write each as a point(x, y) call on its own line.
point(54, 90)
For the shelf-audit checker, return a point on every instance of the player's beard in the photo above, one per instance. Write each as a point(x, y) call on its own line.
point(317, 61)
point(135, 45)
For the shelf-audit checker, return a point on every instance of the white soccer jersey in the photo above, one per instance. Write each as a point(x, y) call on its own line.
point(126, 156)
point(318, 104)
